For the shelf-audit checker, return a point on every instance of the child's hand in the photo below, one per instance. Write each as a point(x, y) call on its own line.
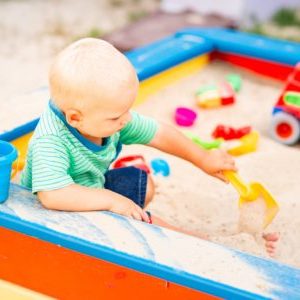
point(126, 207)
point(213, 162)
point(216, 161)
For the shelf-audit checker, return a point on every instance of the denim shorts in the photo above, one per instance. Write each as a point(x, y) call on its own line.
point(130, 182)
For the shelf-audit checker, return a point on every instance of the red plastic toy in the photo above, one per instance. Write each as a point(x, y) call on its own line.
point(230, 133)
point(215, 95)
point(227, 93)
point(285, 125)
point(136, 161)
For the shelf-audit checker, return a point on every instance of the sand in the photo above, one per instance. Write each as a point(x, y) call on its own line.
point(191, 199)
point(33, 31)
point(252, 216)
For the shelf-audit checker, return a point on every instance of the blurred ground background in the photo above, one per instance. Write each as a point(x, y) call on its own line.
point(32, 31)
point(284, 24)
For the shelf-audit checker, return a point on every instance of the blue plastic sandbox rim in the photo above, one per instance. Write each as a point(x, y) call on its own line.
point(124, 259)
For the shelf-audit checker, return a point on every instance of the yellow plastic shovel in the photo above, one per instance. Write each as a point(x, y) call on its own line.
point(252, 192)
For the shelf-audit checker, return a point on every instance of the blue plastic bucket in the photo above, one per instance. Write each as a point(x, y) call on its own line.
point(8, 155)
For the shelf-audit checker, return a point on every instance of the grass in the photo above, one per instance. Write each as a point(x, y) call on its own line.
point(136, 15)
point(286, 17)
point(257, 29)
point(93, 32)
point(281, 19)
point(58, 29)
point(116, 3)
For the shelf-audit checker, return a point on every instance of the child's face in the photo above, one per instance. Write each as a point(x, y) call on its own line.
point(107, 115)
point(101, 122)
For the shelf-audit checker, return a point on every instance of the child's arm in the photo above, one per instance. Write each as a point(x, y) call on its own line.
point(172, 141)
point(50, 178)
point(80, 198)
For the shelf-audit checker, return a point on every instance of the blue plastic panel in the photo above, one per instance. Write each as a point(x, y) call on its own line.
point(253, 45)
point(19, 131)
point(191, 42)
point(166, 53)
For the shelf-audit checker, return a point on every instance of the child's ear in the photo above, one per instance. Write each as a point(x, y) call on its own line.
point(73, 117)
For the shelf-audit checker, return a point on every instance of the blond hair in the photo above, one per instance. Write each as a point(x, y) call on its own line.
point(88, 69)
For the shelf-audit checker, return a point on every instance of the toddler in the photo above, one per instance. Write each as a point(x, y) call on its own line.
point(93, 87)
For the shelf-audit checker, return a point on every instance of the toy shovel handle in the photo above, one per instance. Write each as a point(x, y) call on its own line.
point(237, 183)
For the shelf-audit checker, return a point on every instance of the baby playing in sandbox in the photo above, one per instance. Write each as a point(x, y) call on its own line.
point(93, 87)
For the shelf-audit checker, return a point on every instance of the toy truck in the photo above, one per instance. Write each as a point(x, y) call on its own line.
point(285, 124)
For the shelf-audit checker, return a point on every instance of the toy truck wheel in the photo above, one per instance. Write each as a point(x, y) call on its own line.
point(285, 128)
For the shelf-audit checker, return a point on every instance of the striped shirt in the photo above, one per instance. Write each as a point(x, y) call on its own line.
point(58, 155)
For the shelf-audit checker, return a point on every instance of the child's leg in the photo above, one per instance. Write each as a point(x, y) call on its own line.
point(270, 238)
point(270, 242)
point(150, 190)
point(158, 221)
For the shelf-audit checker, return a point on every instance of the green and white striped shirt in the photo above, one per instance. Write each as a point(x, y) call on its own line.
point(58, 155)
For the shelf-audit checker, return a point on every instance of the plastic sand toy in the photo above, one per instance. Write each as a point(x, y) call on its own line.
point(160, 167)
point(137, 161)
point(247, 143)
point(8, 155)
point(213, 96)
point(204, 144)
point(285, 125)
point(185, 116)
point(292, 98)
point(230, 133)
point(254, 192)
point(235, 81)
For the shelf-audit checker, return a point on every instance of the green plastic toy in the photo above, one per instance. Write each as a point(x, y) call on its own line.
point(206, 88)
point(292, 98)
point(235, 81)
point(206, 145)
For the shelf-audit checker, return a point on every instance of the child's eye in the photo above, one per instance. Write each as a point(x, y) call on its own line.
point(114, 119)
